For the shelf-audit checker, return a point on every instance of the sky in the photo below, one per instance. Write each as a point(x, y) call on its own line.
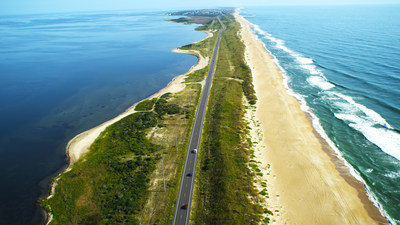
point(51, 6)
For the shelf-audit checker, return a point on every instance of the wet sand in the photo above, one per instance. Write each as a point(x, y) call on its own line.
point(307, 183)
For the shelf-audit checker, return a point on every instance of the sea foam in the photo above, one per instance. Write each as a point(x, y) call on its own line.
point(368, 122)
point(320, 82)
point(304, 62)
point(325, 85)
point(357, 115)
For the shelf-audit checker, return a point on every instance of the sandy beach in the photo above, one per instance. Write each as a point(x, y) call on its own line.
point(307, 184)
point(80, 144)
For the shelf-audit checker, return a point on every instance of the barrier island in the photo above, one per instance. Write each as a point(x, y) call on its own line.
point(260, 160)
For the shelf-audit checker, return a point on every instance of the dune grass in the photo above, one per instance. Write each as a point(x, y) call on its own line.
point(225, 191)
point(120, 180)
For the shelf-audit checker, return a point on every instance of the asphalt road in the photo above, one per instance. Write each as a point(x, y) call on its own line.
point(181, 215)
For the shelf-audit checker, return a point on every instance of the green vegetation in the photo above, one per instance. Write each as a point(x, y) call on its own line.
point(197, 76)
point(162, 108)
point(237, 66)
point(181, 20)
point(236, 63)
point(146, 105)
point(205, 47)
point(105, 187)
point(204, 20)
point(225, 191)
point(120, 181)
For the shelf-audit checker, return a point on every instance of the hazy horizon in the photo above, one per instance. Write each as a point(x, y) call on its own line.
point(47, 6)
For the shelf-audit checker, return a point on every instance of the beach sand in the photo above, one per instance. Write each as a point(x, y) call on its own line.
point(307, 184)
point(80, 144)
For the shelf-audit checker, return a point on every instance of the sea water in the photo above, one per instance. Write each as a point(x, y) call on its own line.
point(61, 74)
point(343, 64)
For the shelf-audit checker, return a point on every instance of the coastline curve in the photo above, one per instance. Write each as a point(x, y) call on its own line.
point(325, 146)
point(79, 145)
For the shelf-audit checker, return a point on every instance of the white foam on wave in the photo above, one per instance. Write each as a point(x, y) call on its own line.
point(372, 125)
point(304, 60)
point(311, 68)
point(257, 29)
point(387, 140)
point(315, 120)
point(303, 104)
point(320, 82)
point(393, 174)
point(286, 79)
point(278, 42)
point(281, 44)
point(376, 117)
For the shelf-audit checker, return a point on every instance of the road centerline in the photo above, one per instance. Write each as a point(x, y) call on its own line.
point(183, 203)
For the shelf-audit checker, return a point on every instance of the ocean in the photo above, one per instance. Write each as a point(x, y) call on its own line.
point(61, 74)
point(343, 64)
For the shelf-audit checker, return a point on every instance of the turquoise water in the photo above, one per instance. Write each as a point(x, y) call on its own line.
point(61, 74)
point(343, 64)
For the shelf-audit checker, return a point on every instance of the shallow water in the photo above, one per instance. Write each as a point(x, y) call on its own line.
point(61, 74)
point(344, 62)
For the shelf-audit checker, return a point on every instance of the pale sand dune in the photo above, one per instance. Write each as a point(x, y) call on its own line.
point(304, 184)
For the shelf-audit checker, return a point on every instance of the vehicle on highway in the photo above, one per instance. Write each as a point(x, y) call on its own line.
point(182, 215)
point(189, 174)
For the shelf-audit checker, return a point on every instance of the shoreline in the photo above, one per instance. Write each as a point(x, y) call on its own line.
point(304, 168)
point(79, 145)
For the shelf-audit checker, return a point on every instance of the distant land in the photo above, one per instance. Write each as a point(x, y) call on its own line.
point(260, 159)
point(203, 12)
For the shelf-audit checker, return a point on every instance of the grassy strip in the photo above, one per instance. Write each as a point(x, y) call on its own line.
point(237, 64)
point(116, 180)
point(120, 180)
point(173, 133)
point(162, 108)
point(146, 105)
point(160, 205)
point(205, 20)
point(225, 191)
point(109, 185)
point(205, 47)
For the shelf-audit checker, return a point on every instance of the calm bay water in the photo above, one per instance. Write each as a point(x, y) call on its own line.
point(61, 74)
point(343, 63)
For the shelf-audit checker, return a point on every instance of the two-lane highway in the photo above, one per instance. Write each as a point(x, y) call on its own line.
point(184, 201)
